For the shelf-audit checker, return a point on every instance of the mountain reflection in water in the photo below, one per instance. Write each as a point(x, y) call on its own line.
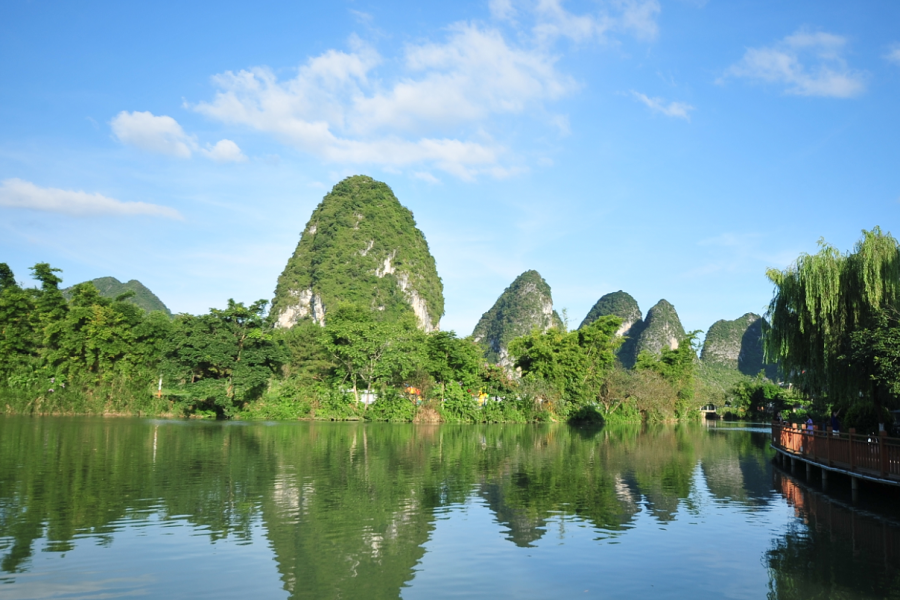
point(326, 510)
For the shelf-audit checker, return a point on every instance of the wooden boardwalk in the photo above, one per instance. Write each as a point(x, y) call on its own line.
point(869, 457)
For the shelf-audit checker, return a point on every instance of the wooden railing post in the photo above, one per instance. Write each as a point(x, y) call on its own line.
point(852, 465)
point(815, 442)
point(828, 444)
point(882, 447)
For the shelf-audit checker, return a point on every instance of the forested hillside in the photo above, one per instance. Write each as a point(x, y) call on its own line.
point(110, 287)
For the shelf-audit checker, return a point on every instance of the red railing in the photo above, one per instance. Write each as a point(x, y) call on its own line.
point(872, 455)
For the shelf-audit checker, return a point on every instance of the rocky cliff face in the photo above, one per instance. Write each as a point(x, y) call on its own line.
point(110, 287)
point(662, 329)
point(362, 246)
point(737, 344)
point(526, 304)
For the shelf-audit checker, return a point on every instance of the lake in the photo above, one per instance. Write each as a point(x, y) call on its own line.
point(106, 508)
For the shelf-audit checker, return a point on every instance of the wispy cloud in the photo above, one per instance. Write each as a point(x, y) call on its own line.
point(808, 63)
point(163, 135)
point(426, 176)
point(679, 110)
point(551, 20)
point(16, 193)
point(893, 54)
point(731, 252)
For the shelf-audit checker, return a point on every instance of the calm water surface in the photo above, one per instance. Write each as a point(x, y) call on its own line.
point(107, 508)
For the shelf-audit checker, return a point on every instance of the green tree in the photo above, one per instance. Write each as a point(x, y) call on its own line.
point(876, 351)
point(369, 352)
point(50, 306)
point(575, 364)
point(18, 338)
point(819, 303)
point(225, 358)
point(676, 366)
point(451, 359)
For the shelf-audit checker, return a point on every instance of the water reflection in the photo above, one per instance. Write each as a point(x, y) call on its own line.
point(349, 510)
point(834, 549)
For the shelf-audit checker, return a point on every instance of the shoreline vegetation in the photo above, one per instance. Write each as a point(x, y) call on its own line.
point(835, 332)
point(91, 355)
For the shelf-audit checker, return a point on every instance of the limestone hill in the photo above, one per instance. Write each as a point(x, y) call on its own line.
point(662, 328)
point(525, 305)
point(737, 344)
point(623, 305)
point(362, 246)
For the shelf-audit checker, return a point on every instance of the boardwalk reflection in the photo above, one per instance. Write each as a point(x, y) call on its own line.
point(833, 550)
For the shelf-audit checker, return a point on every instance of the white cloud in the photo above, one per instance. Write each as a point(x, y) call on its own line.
point(426, 176)
point(808, 63)
point(163, 134)
point(893, 54)
point(672, 109)
point(635, 17)
point(16, 193)
point(154, 134)
point(225, 151)
point(337, 109)
point(502, 9)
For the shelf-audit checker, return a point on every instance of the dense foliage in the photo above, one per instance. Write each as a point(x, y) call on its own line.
point(573, 365)
point(361, 246)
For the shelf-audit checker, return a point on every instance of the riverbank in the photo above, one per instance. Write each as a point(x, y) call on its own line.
point(323, 406)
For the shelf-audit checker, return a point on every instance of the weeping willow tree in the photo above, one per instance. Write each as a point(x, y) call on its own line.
point(820, 302)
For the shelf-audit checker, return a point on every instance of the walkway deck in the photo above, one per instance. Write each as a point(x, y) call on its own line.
point(873, 458)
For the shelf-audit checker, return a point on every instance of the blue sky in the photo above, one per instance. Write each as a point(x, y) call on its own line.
point(673, 149)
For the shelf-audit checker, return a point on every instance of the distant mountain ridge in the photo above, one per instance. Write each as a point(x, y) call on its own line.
point(110, 287)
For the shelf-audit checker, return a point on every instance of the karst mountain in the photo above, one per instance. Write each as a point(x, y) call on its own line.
point(360, 246)
point(525, 305)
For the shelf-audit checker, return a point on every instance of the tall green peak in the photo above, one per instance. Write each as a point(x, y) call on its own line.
point(737, 344)
point(362, 246)
point(526, 304)
point(110, 287)
point(662, 329)
point(623, 305)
